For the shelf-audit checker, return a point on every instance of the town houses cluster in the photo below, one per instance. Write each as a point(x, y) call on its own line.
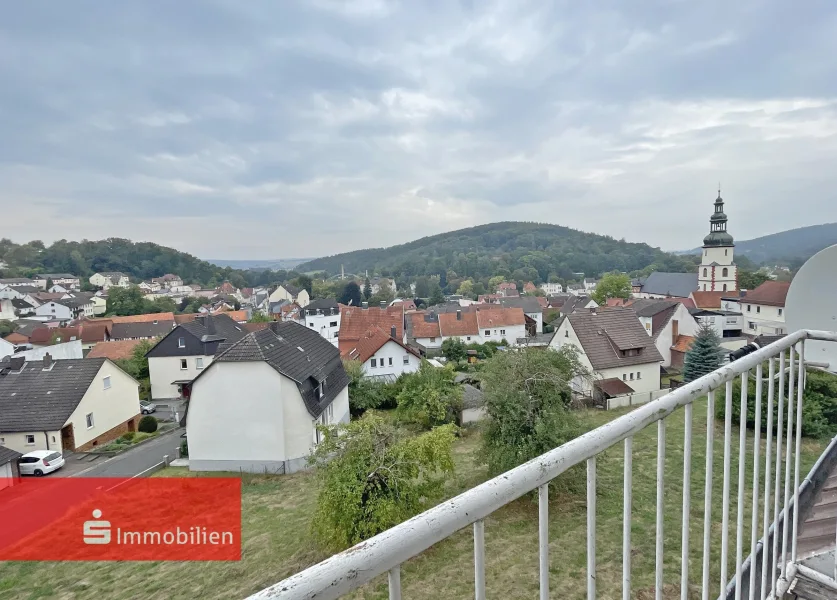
point(254, 371)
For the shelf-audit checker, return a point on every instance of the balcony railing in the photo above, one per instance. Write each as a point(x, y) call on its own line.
point(765, 572)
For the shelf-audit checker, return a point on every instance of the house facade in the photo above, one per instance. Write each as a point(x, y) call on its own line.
point(65, 405)
point(184, 352)
point(552, 288)
point(762, 309)
point(109, 279)
point(383, 355)
point(322, 316)
point(476, 324)
point(66, 280)
point(665, 321)
point(290, 293)
point(615, 348)
point(295, 382)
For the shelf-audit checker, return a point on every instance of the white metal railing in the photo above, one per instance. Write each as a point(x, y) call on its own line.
point(774, 559)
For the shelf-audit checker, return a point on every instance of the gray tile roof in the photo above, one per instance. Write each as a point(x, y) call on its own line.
point(38, 400)
point(679, 285)
point(573, 304)
point(529, 304)
point(327, 305)
point(296, 352)
point(150, 329)
point(209, 328)
point(7, 455)
point(16, 280)
point(605, 334)
point(472, 397)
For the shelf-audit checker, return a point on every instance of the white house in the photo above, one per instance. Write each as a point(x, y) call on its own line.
point(552, 288)
point(762, 309)
point(323, 316)
point(7, 310)
point(383, 355)
point(70, 405)
point(291, 293)
point(6, 348)
point(56, 309)
point(109, 279)
point(589, 284)
point(286, 381)
point(100, 305)
point(616, 349)
point(665, 321)
point(475, 324)
point(17, 282)
point(184, 352)
point(65, 280)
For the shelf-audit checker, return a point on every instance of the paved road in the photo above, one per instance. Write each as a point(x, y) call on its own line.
point(138, 459)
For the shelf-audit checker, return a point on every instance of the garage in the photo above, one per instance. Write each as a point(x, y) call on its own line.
point(9, 474)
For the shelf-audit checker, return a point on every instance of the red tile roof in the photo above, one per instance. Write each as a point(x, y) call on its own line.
point(115, 350)
point(149, 318)
point(617, 302)
point(185, 318)
point(507, 285)
point(86, 333)
point(684, 342)
point(613, 387)
point(542, 301)
point(225, 288)
point(769, 293)
point(356, 321)
point(529, 287)
point(369, 343)
point(465, 325)
point(708, 300)
point(499, 317)
point(422, 328)
point(16, 338)
point(251, 327)
point(239, 316)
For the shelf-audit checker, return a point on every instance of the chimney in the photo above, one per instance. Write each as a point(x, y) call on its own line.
point(392, 332)
point(47, 360)
point(383, 304)
point(592, 310)
point(675, 330)
point(364, 304)
point(458, 315)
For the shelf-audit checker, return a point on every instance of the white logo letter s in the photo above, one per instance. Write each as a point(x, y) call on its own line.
point(97, 532)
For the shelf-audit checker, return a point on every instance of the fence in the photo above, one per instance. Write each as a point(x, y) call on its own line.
point(635, 399)
point(774, 555)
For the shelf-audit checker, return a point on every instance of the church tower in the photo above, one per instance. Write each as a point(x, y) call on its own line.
point(717, 271)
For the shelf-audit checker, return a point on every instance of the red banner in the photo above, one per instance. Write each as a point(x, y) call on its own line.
point(160, 518)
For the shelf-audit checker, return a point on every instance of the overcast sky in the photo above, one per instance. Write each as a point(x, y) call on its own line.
point(266, 129)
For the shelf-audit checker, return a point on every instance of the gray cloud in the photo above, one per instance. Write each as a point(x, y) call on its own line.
point(263, 129)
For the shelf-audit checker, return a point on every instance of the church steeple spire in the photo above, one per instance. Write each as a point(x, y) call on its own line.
point(718, 235)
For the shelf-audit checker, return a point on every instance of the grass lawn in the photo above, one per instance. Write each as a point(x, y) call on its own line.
point(276, 513)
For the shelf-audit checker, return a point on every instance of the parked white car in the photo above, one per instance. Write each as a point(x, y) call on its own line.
point(147, 407)
point(40, 462)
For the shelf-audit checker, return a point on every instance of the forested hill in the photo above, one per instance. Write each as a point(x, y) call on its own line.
point(518, 250)
point(138, 260)
point(793, 246)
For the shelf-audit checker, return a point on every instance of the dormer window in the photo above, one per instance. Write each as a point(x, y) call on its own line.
point(181, 342)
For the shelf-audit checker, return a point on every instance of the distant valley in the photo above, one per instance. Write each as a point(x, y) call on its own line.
point(273, 264)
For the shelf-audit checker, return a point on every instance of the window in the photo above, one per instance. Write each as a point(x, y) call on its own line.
point(566, 333)
point(725, 287)
point(749, 307)
point(333, 324)
point(390, 361)
point(488, 333)
point(624, 377)
point(758, 309)
point(310, 324)
point(502, 332)
point(632, 376)
point(780, 312)
point(751, 325)
point(724, 272)
point(638, 375)
point(2, 441)
point(406, 359)
point(106, 382)
point(53, 438)
point(89, 419)
point(432, 339)
point(704, 272)
point(320, 391)
point(181, 342)
point(374, 362)
point(199, 362)
point(648, 326)
point(30, 440)
point(183, 364)
point(725, 251)
point(330, 412)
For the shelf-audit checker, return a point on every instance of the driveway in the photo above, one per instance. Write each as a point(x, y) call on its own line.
point(136, 460)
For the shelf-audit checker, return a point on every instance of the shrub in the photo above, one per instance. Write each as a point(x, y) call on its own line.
point(454, 349)
point(142, 436)
point(184, 449)
point(527, 399)
point(373, 476)
point(819, 403)
point(430, 396)
point(147, 424)
point(127, 436)
point(366, 393)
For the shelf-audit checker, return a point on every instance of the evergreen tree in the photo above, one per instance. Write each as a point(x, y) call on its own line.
point(704, 356)
point(367, 289)
point(436, 295)
point(350, 294)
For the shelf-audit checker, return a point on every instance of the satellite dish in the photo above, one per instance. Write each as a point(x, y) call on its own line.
point(812, 304)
